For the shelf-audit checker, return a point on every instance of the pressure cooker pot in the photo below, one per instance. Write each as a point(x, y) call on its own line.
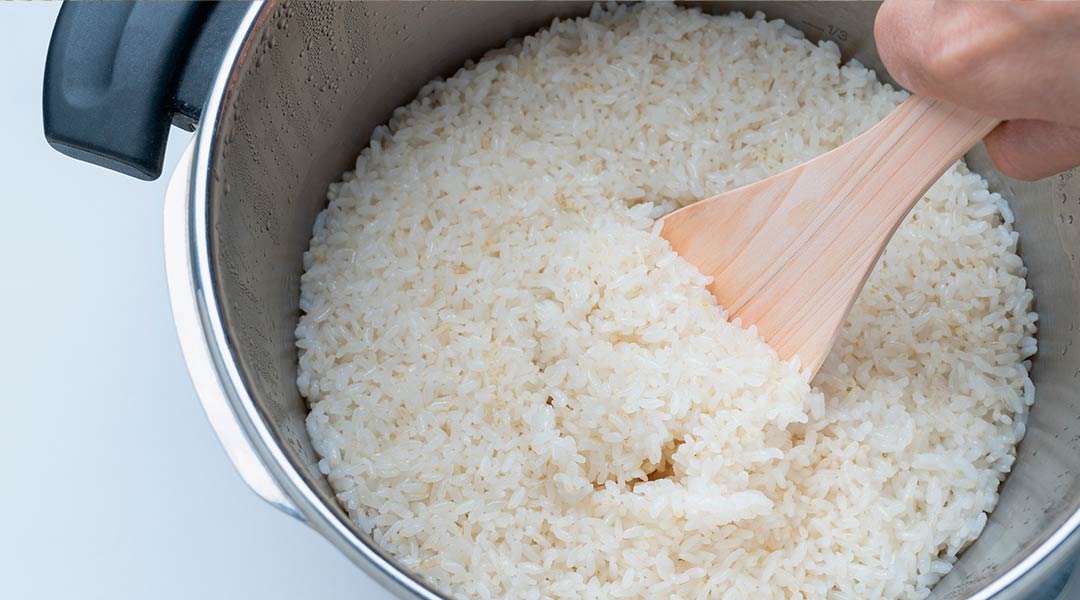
point(283, 96)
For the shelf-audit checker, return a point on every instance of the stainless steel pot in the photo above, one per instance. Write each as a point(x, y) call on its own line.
point(291, 98)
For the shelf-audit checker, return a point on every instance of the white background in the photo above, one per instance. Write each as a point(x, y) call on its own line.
point(113, 485)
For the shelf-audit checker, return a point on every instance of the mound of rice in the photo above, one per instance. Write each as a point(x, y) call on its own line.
point(521, 392)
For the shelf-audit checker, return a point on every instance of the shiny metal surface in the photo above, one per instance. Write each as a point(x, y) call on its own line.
point(302, 88)
point(197, 354)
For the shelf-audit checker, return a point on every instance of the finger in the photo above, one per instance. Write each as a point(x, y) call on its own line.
point(898, 32)
point(931, 48)
point(1010, 60)
point(1030, 150)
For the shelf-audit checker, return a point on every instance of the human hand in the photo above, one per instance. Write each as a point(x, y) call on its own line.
point(1017, 61)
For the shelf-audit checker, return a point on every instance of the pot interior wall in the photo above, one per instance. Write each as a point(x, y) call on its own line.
point(318, 77)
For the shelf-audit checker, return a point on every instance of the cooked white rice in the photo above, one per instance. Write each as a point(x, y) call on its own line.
point(521, 392)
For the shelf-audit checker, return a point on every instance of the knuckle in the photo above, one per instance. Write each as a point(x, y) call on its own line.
point(947, 60)
point(902, 42)
point(924, 46)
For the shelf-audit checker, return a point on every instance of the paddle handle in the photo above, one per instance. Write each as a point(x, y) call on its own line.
point(918, 141)
point(790, 253)
point(888, 170)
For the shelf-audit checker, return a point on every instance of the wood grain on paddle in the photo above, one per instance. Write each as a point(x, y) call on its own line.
point(790, 253)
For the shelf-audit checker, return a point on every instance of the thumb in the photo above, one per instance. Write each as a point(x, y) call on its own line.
point(1029, 149)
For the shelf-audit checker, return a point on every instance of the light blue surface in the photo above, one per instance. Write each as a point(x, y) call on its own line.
point(114, 485)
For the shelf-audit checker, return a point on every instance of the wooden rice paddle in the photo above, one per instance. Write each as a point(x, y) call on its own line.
point(790, 253)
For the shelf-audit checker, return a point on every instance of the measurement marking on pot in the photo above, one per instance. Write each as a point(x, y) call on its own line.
point(834, 31)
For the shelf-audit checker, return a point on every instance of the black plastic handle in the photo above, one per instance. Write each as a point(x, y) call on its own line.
point(118, 73)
